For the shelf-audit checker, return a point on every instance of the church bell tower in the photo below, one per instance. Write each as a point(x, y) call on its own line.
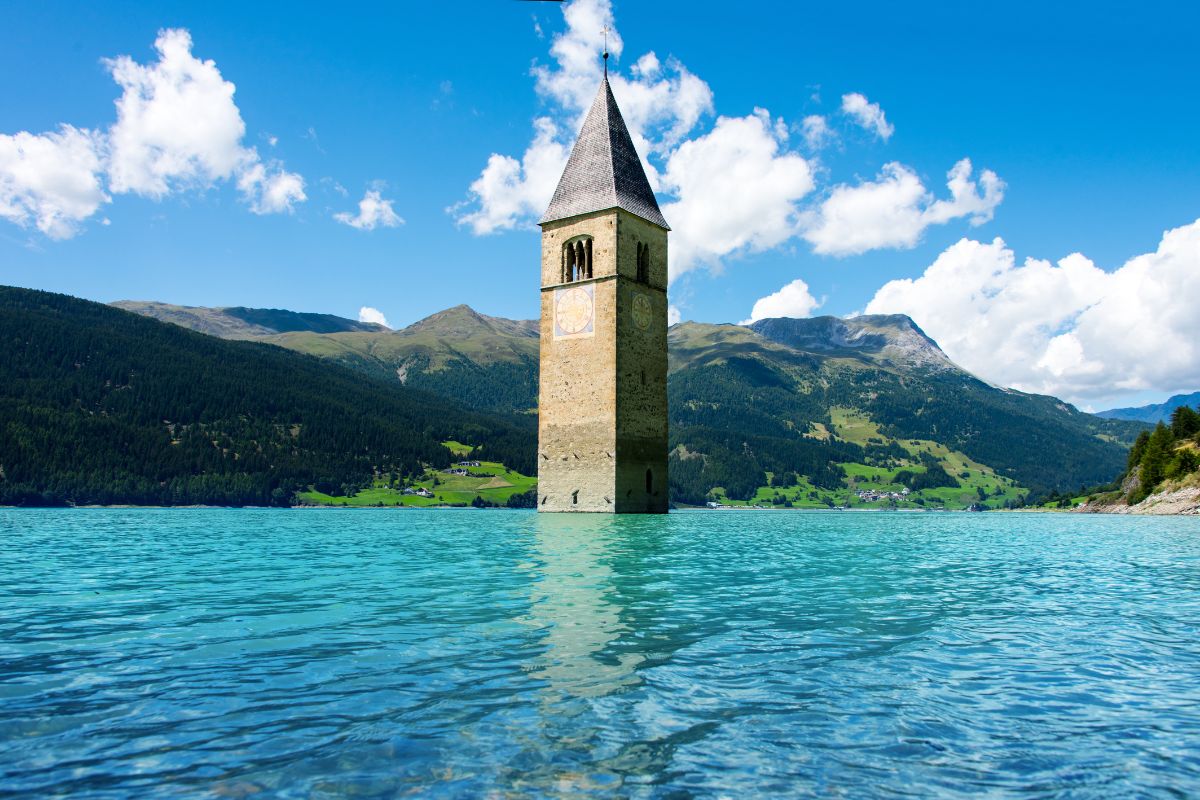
point(602, 411)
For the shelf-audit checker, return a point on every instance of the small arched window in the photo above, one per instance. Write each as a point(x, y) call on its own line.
point(577, 259)
point(649, 482)
point(643, 263)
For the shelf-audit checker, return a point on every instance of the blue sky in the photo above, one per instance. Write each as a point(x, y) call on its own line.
point(1085, 114)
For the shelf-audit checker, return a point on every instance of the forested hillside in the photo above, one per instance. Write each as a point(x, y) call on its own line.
point(869, 404)
point(866, 391)
point(1171, 452)
point(481, 362)
point(98, 405)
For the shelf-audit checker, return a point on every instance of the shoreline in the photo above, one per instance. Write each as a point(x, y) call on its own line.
point(1183, 502)
point(130, 507)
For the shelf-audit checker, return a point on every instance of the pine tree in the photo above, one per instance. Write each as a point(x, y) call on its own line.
point(1155, 459)
point(1184, 422)
point(1138, 449)
point(1183, 464)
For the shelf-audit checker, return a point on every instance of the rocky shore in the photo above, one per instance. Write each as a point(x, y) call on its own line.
point(1185, 501)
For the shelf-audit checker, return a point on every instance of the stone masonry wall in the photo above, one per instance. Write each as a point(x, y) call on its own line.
point(602, 418)
point(641, 371)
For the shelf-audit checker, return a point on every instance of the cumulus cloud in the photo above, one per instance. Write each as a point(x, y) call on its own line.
point(571, 81)
point(372, 315)
point(373, 212)
point(510, 192)
point(737, 188)
point(1070, 329)
point(661, 103)
point(867, 115)
point(817, 132)
point(177, 128)
point(51, 180)
point(731, 189)
point(674, 315)
point(177, 124)
point(270, 190)
point(895, 209)
point(793, 300)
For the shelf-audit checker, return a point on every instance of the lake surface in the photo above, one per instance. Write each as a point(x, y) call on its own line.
point(322, 654)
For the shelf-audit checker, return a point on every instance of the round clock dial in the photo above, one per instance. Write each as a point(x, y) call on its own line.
point(641, 311)
point(573, 312)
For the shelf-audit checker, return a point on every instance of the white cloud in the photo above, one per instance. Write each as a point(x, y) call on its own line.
point(894, 210)
point(373, 212)
point(793, 300)
point(177, 125)
point(661, 104)
point(177, 128)
point(1068, 329)
point(673, 315)
point(373, 315)
point(271, 191)
point(817, 132)
point(576, 53)
point(867, 114)
point(51, 180)
point(737, 189)
point(511, 192)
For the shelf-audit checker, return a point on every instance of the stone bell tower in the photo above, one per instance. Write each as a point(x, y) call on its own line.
point(602, 412)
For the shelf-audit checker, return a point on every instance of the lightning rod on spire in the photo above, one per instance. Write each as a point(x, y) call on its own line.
point(604, 31)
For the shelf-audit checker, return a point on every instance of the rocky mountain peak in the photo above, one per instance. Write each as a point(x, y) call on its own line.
point(892, 338)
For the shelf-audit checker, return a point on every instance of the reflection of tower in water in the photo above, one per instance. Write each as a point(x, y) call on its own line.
point(576, 604)
point(593, 611)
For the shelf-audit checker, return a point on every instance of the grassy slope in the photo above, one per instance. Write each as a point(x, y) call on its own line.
point(483, 362)
point(855, 427)
point(858, 389)
point(490, 481)
point(1045, 428)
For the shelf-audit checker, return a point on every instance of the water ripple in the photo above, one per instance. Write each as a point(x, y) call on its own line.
point(260, 654)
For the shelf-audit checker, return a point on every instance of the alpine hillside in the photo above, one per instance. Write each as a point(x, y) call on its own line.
point(793, 412)
point(238, 322)
point(102, 406)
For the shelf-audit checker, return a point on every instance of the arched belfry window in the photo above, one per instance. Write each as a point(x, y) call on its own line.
point(577, 259)
point(643, 263)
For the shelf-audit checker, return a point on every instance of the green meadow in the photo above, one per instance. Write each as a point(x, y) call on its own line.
point(491, 481)
point(978, 485)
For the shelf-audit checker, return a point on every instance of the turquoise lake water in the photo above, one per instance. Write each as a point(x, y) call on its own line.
point(322, 654)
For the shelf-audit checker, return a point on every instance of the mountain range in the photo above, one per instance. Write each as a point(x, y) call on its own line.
point(102, 406)
point(844, 403)
point(1156, 412)
point(238, 322)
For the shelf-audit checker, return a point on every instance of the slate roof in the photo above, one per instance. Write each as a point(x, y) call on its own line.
point(604, 170)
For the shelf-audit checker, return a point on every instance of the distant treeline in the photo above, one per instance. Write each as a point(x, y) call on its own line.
point(98, 405)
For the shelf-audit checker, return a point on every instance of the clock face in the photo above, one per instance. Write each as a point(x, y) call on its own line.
point(573, 311)
point(642, 312)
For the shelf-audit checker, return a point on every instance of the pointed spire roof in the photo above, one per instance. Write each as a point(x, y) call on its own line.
point(604, 170)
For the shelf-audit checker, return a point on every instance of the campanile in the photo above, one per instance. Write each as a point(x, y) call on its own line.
point(602, 410)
